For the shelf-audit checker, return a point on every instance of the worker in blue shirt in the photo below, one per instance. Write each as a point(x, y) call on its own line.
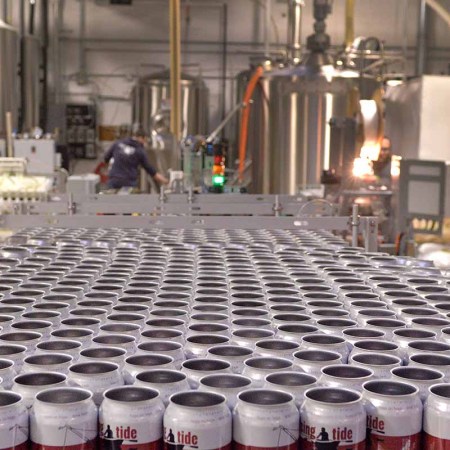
point(128, 155)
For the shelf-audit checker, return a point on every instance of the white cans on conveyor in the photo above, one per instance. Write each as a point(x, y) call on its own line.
point(64, 418)
point(333, 417)
point(131, 417)
point(197, 420)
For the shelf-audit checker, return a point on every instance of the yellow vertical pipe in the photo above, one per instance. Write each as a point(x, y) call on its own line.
point(349, 22)
point(175, 67)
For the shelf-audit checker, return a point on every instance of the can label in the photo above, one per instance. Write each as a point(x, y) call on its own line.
point(384, 433)
point(113, 436)
point(380, 442)
point(331, 438)
point(14, 430)
point(436, 431)
point(79, 436)
point(89, 445)
point(179, 439)
point(292, 446)
point(435, 443)
point(22, 446)
point(259, 428)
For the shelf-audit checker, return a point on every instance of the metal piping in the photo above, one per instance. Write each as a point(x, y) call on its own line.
point(422, 39)
point(22, 31)
point(440, 10)
point(349, 23)
point(6, 12)
point(175, 68)
point(81, 52)
point(295, 30)
point(267, 19)
point(224, 59)
point(31, 20)
point(45, 43)
point(56, 47)
point(9, 137)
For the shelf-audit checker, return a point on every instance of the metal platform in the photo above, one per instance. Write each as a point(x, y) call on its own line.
point(179, 211)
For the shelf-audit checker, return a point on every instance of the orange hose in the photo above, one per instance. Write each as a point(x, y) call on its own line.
point(245, 118)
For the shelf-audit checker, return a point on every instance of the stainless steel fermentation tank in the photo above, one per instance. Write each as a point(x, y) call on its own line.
point(309, 127)
point(303, 126)
point(151, 110)
point(151, 103)
point(9, 86)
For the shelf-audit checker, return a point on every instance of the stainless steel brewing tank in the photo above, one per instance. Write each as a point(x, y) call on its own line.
point(310, 126)
point(151, 103)
point(9, 88)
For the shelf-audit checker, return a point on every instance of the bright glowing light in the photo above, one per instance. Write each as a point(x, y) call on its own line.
point(218, 180)
point(327, 138)
point(394, 83)
point(328, 71)
point(362, 167)
point(370, 151)
point(395, 166)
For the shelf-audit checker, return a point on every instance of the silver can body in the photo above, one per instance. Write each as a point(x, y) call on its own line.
point(64, 417)
point(394, 414)
point(13, 422)
point(133, 415)
point(436, 418)
point(265, 419)
point(333, 415)
point(198, 419)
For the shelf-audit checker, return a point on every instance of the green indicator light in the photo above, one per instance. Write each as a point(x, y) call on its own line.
point(218, 180)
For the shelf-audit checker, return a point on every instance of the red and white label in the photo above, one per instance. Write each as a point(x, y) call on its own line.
point(388, 429)
point(292, 446)
point(331, 445)
point(264, 428)
point(14, 428)
point(434, 443)
point(177, 438)
point(436, 420)
point(124, 437)
point(380, 442)
point(110, 444)
point(23, 446)
point(313, 437)
point(48, 433)
point(89, 445)
point(206, 428)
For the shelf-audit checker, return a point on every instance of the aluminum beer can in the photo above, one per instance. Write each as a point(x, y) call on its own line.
point(332, 418)
point(13, 422)
point(63, 418)
point(166, 382)
point(265, 419)
point(394, 415)
point(131, 417)
point(96, 376)
point(200, 420)
point(227, 384)
point(436, 418)
point(30, 384)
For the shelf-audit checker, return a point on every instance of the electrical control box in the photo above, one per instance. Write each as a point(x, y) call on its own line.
point(40, 155)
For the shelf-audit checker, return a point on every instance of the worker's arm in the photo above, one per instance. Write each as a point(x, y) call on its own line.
point(145, 163)
point(109, 153)
point(161, 179)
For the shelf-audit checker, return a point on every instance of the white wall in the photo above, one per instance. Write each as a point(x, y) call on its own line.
point(113, 66)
